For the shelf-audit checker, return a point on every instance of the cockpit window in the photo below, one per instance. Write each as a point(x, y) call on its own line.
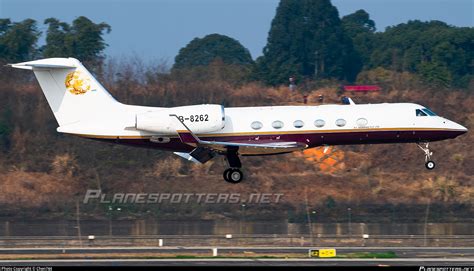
point(429, 112)
point(420, 113)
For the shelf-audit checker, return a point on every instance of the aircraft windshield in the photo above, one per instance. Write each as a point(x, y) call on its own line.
point(420, 113)
point(424, 112)
point(429, 112)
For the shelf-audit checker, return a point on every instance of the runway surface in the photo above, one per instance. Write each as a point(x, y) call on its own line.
point(402, 252)
point(245, 262)
point(156, 256)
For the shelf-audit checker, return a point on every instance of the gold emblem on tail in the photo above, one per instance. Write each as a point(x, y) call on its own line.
point(77, 83)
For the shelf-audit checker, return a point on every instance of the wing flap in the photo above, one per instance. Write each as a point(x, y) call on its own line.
point(276, 145)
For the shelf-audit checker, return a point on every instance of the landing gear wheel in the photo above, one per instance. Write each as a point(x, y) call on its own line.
point(430, 165)
point(226, 174)
point(233, 175)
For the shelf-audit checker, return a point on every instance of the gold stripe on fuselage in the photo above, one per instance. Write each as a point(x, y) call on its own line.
point(358, 130)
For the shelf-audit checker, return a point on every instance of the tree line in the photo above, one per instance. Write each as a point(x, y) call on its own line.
point(307, 40)
point(81, 39)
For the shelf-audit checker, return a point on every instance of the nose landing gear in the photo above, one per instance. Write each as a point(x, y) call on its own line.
point(429, 164)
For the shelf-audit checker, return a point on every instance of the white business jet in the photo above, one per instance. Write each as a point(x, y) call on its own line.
point(83, 107)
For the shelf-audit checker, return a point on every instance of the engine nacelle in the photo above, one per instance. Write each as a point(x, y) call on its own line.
point(203, 118)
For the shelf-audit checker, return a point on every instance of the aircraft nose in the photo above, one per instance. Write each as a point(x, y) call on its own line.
point(456, 129)
point(459, 127)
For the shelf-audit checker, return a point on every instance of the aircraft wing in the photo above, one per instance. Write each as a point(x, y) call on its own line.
point(206, 149)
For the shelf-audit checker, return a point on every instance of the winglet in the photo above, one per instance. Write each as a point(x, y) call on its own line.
point(186, 136)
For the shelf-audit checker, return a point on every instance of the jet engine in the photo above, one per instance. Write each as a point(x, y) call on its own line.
point(203, 118)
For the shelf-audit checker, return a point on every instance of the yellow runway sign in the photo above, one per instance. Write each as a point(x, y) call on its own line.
point(323, 253)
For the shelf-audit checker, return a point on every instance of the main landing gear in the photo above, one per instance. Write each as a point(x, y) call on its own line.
point(429, 164)
point(233, 174)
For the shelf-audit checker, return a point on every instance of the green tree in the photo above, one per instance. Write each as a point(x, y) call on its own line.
point(306, 39)
point(202, 52)
point(56, 39)
point(82, 40)
point(435, 74)
point(431, 49)
point(358, 22)
point(5, 128)
point(360, 28)
point(18, 40)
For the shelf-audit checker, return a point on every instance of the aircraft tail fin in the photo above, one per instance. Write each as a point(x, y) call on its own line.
point(72, 92)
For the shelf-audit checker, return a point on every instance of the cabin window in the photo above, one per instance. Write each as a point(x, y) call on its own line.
point(298, 123)
point(319, 123)
point(420, 113)
point(362, 122)
point(340, 122)
point(256, 125)
point(277, 124)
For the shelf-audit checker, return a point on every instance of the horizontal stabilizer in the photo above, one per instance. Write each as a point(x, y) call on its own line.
point(46, 64)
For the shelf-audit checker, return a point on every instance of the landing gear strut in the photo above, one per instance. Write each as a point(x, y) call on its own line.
point(429, 164)
point(233, 174)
